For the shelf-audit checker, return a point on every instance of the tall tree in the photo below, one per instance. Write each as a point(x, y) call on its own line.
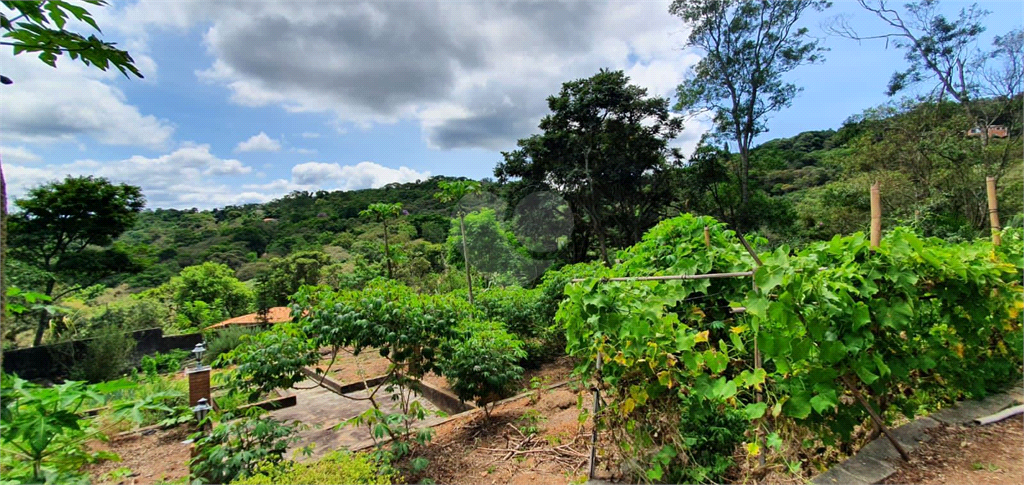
point(747, 46)
point(61, 228)
point(454, 192)
point(604, 148)
point(31, 29)
point(382, 212)
point(986, 84)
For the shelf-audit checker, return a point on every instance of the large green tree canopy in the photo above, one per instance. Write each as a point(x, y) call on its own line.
point(63, 229)
point(604, 148)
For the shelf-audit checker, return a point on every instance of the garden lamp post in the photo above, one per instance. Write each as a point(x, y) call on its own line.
point(201, 410)
point(199, 351)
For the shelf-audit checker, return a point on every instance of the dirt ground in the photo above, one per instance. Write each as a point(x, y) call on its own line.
point(152, 458)
point(992, 454)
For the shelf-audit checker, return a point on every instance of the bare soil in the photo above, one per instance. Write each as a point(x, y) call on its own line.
point(152, 458)
point(992, 454)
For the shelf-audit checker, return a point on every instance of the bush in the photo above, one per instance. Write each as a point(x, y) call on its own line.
point(339, 466)
point(162, 363)
point(235, 446)
point(482, 363)
point(226, 340)
point(107, 357)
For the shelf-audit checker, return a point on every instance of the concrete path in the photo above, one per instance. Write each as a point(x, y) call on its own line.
point(322, 410)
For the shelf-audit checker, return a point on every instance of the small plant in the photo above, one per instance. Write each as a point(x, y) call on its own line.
point(226, 340)
point(529, 421)
point(339, 466)
point(235, 447)
point(984, 466)
point(43, 434)
point(162, 363)
point(117, 475)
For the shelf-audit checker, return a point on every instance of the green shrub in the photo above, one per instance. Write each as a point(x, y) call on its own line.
point(482, 363)
point(339, 466)
point(225, 340)
point(43, 433)
point(161, 363)
point(235, 447)
point(107, 357)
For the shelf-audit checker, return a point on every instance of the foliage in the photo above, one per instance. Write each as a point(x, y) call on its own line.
point(382, 212)
point(108, 356)
point(164, 362)
point(482, 362)
point(32, 30)
point(213, 284)
point(286, 275)
point(604, 148)
point(224, 340)
point(235, 447)
point(489, 248)
point(151, 400)
point(43, 432)
point(268, 360)
point(749, 46)
point(914, 317)
point(338, 466)
point(59, 226)
point(455, 192)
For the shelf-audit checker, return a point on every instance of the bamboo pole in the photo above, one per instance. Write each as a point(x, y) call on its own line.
point(597, 407)
point(706, 276)
point(876, 418)
point(707, 237)
point(876, 216)
point(993, 210)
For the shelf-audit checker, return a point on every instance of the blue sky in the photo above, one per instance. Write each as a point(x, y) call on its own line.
point(247, 101)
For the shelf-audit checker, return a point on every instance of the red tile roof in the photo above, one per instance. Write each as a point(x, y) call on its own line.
point(278, 314)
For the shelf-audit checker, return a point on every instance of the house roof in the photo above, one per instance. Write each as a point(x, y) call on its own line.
point(278, 314)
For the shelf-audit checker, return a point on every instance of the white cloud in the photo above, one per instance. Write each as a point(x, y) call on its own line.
point(189, 176)
point(310, 134)
point(17, 154)
point(312, 176)
point(259, 143)
point(48, 105)
point(464, 71)
point(303, 151)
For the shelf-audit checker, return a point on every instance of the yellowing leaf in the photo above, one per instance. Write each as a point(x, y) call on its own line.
point(959, 348)
point(628, 405)
point(738, 329)
point(698, 311)
point(753, 449)
point(701, 337)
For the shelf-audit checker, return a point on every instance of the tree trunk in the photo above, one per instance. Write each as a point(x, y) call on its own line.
point(3, 257)
point(744, 175)
point(44, 316)
point(387, 250)
point(465, 255)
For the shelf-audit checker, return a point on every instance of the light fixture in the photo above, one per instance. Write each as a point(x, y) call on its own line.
point(201, 410)
point(199, 351)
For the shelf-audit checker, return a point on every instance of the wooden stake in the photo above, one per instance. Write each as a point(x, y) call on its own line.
point(876, 216)
point(993, 210)
point(876, 418)
point(597, 407)
point(707, 237)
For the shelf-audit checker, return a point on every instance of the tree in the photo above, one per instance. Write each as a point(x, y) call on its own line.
point(604, 148)
point(748, 46)
point(286, 275)
point(213, 284)
point(62, 227)
point(31, 31)
point(454, 192)
point(382, 212)
point(987, 85)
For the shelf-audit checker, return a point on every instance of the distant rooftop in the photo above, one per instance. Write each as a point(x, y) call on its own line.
point(278, 314)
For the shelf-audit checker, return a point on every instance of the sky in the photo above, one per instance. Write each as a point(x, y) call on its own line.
point(247, 101)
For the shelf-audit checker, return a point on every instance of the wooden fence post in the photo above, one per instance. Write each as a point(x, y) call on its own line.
point(707, 237)
point(993, 210)
point(597, 407)
point(876, 216)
